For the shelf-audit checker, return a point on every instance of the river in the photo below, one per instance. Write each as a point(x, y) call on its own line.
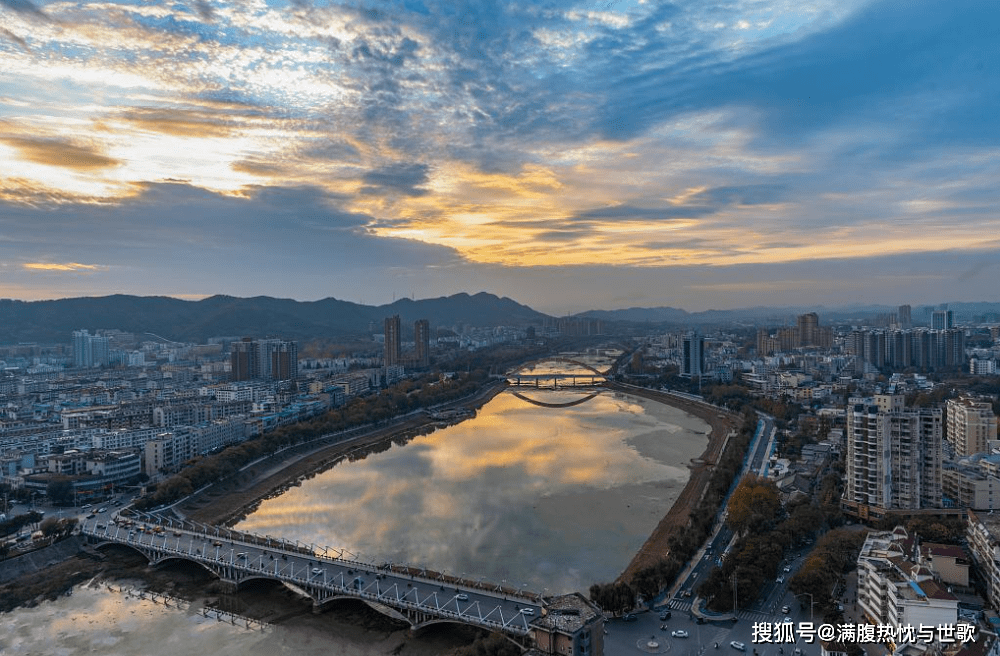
point(546, 498)
point(550, 498)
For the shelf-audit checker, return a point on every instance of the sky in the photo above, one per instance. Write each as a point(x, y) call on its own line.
point(571, 155)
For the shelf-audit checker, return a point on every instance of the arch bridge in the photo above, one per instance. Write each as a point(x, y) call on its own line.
point(412, 595)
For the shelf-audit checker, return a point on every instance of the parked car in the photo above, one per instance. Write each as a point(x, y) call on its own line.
point(680, 633)
point(786, 610)
point(736, 644)
point(527, 611)
point(462, 596)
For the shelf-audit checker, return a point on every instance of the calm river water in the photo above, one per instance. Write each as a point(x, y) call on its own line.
point(553, 498)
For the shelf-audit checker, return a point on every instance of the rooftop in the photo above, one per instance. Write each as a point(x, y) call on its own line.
point(567, 614)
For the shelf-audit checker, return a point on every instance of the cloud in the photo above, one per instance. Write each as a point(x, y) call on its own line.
point(632, 213)
point(10, 36)
point(204, 9)
point(60, 152)
point(402, 178)
point(25, 8)
point(66, 266)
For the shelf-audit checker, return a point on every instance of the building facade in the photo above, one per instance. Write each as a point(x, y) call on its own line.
point(894, 459)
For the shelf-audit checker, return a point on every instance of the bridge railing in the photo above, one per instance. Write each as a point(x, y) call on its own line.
point(302, 576)
point(319, 553)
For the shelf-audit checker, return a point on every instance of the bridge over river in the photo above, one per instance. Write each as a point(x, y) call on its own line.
point(413, 595)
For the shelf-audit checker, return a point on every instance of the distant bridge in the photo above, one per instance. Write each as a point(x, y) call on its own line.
point(544, 404)
point(412, 595)
point(556, 358)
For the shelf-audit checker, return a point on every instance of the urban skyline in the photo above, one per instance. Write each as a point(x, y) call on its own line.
point(574, 156)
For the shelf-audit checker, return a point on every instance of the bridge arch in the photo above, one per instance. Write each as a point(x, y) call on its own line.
point(544, 404)
point(167, 560)
point(557, 358)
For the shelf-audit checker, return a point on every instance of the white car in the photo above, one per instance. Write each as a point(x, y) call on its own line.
point(679, 634)
point(735, 644)
point(527, 611)
point(462, 596)
point(317, 570)
point(788, 620)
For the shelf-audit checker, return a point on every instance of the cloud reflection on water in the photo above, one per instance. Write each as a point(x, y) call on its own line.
point(554, 498)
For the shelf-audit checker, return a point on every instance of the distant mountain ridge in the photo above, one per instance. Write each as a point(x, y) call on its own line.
point(216, 316)
point(776, 314)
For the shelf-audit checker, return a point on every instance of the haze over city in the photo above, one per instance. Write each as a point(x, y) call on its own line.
point(570, 155)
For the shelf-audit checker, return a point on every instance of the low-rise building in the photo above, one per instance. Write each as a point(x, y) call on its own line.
point(894, 589)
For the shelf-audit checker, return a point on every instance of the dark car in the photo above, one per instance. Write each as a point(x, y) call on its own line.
point(664, 615)
point(630, 617)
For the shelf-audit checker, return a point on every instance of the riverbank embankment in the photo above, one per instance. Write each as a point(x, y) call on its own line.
point(677, 518)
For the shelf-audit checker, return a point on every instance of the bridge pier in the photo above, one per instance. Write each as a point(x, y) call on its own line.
point(228, 586)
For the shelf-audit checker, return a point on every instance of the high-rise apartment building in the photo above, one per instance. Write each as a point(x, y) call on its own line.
point(894, 458)
point(942, 319)
point(808, 325)
point(90, 350)
point(284, 361)
point(268, 359)
point(392, 341)
point(970, 424)
point(422, 342)
point(904, 317)
point(694, 355)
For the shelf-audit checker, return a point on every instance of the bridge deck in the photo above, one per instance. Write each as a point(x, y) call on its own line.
point(237, 557)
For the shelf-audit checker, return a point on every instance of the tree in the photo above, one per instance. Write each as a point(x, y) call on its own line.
point(754, 504)
point(60, 490)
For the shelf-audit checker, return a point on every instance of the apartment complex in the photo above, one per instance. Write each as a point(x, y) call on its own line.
point(894, 457)
point(971, 424)
point(267, 359)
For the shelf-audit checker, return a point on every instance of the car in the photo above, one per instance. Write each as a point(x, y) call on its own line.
point(786, 610)
point(462, 596)
point(102, 510)
point(788, 569)
point(788, 620)
point(216, 544)
point(177, 534)
point(665, 615)
point(241, 554)
point(781, 579)
point(317, 570)
point(736, 644)
point(629, 617)
point(527, 611)
point(86, 505)
point(679, 633)
point(91, 516)
point(700, 620)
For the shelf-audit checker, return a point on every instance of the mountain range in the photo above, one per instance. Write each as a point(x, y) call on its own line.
point(227, 316)
point(218, 316)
